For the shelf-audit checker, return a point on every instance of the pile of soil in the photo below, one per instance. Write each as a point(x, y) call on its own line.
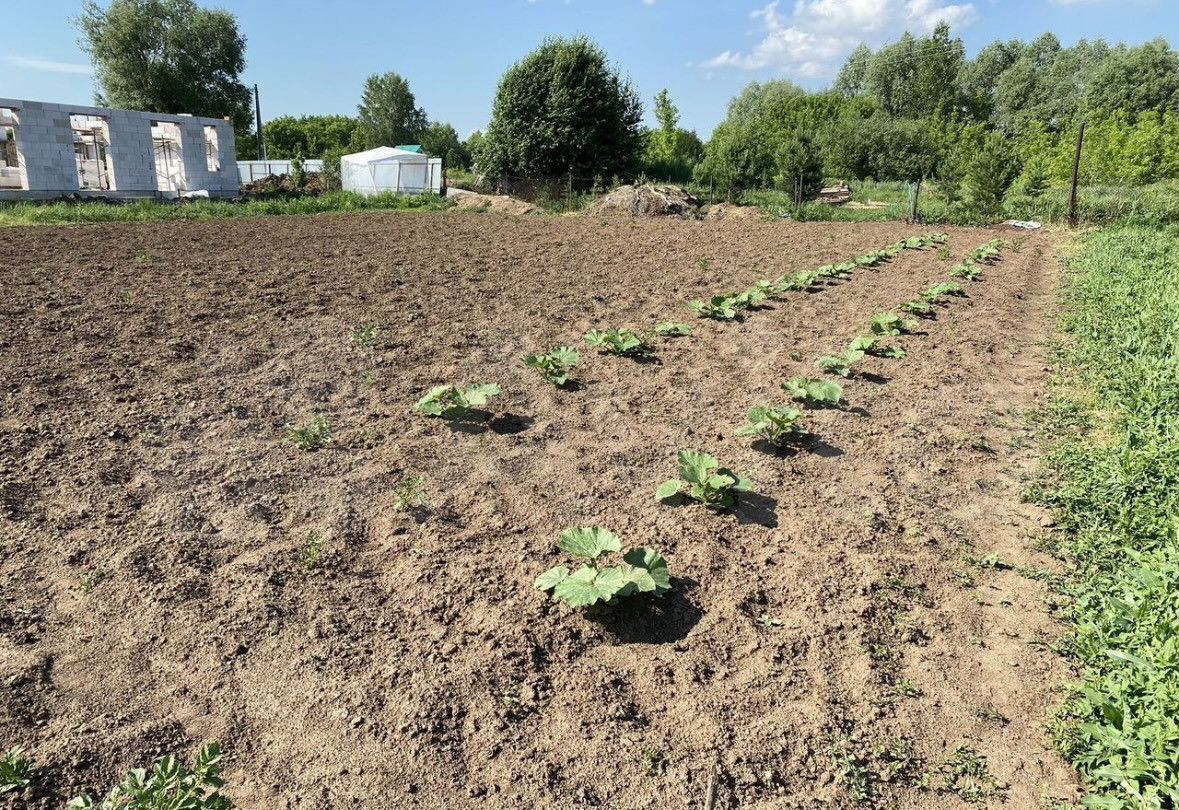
point(497, 203)
point(730, 211)
point(284, 184)
point(645, 201)
point(161, 583)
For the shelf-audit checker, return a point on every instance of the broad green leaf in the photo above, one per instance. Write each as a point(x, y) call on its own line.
point(580, 589)
point(589, 542)
point(696, 466)
point(668, 488)
point(654, 564)
point(552, 578)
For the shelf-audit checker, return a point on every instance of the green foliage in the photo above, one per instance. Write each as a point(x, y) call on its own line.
point(965, 773)
point(168, 56)
point(309, 135)
point(870, 344)
point(672, 329)
point(798, 166)
point(169, 785)
point(315, 435)
point(388, 114)
point(442, 141)
point(921, 309)
point(840, 364)
point(704, 480)
point(555, 365)
point(16, 772)
point(967, 270)
point(778, 426)
point(408, 494)
point(642, 571)
point(671, 153)
point(937, 291)
point(718, 308)
point(452, 402)
point(1114, 491)
point(365, 336)
point(991, 172)
point(562, 111)
point(888, 323)
point(985, 254)
point(312, 552)
point(813, 392)
point(622, 342)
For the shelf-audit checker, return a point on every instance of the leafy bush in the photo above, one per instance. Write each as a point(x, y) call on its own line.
point(705, 481)
point(813, 392)
point(778, 426)
point(887, 323)
point(452, 402)
point(642, 571)
point(555, 365)
point(672, 329)
point(16, 772)
point(168, 786)
point(310, 437)
point(622, 342)
point(718, 308)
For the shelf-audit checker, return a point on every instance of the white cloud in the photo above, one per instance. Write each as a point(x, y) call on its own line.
point(820, 33)
point(48, 66)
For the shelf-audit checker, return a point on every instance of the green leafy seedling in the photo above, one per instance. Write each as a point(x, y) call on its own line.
point(932, 294)
point(840, 364)
point(985, 254)
point(622, 342)
point(718, 308)
point(672, 329)
point(169, 784)
point(704, 480)
point(967, 270)
point(917, 307)
point(778, 426)
point(555, 365)
point(16, 772)
point(870, 344)
point(643, 570)
point(313, 436)
point(888, 323)
point(813, 392)
point(452, 402)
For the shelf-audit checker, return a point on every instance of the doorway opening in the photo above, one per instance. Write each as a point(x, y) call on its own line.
point(169, 157)
point(12, 173)
point(92, 152)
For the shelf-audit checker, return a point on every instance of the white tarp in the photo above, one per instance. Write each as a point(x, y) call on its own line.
point(387, 170)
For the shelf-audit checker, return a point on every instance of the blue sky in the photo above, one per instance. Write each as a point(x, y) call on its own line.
point(312, 57)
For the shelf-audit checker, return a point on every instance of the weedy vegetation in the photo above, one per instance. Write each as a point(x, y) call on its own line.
point(622, 342)
point(814, 392)
point(169, 785)
point(704, 480)
point(408, 494)
point(642, 570)
point(555, 365)
point(366, 336)
point(965, 773)
point(16, 772)
point(312, 553)
point(778, 426)
point(452, 402)
point(315, 435)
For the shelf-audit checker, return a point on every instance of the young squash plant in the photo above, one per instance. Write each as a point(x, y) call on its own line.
point(922, 309)
point(985, 254)
point(643, 570)
point(938, 291)
point(622, 342)
point(870, 344)
point(813, 392)
point(555, 365)
point(718, 308)
point(169, 784)
point(452, 402)
point(16, 772)
point(967, 270)
point(840, 364)
point(672, 329)
point(704, 480)
point(778, 426)
point(890, 324)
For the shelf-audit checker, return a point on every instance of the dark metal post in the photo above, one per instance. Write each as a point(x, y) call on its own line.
point(258, 125)
point(915, 216)
point(1072, 195)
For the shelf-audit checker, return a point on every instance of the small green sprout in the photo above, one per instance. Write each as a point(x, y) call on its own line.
point(718, 308)
point(622, 342)
point(870, 344)
point(643, 570)
point(840, 364)
point(932, 294)
point(917, 307)
point(312, 552)
point(672, 329)
point(16, 772)
point(705, 480)
point(366, 336)
point(888, 323)
point(985, 254)
point(967, 270)
point(813, 392)
point(407, 493)
point(554, 366)
point(452, 402)
point(778, 426)
point(313, 436)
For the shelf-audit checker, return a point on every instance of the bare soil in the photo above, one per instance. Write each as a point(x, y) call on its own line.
point(153, 591)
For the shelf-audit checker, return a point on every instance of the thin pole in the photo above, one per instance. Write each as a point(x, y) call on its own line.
point(915, 217)
point(258, 125)
point(1072, 195)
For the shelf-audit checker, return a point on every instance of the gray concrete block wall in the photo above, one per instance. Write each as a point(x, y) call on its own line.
point(45, 148)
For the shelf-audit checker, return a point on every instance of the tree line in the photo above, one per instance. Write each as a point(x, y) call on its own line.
point(915, 109)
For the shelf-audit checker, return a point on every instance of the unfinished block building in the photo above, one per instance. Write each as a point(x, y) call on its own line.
point(50, 150)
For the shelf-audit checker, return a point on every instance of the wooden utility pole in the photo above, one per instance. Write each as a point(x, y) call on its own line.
point(1072, 195)
point(258, 125)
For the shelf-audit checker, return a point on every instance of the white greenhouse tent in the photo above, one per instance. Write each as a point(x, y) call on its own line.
point(387, 170)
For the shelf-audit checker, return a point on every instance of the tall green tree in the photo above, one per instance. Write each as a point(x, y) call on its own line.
point(309, 135)
point(388, 112)
point(671, 152)
point(563, 110)
point(441, 140)
point(168, 56)
point(854, 73)
point(916, 77)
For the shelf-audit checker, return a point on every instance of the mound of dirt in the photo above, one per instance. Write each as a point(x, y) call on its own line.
point(645, 201)
point(314, 184)
point(502, 204)
point(730, 211)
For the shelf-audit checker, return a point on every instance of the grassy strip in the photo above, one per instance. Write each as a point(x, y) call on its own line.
point(56, 213)
point(1115, 494)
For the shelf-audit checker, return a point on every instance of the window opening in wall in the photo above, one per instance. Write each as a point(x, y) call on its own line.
point(91, 152)
point(212, 150)
point(12, 173)
point(169, 156)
